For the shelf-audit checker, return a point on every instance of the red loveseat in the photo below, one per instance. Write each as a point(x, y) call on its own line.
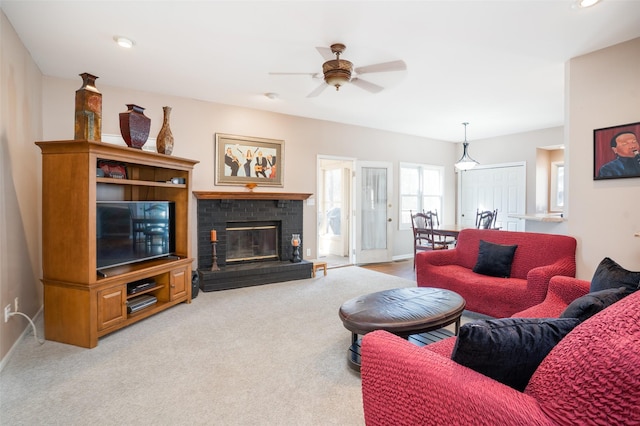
point(537, 258)
point(592, 376)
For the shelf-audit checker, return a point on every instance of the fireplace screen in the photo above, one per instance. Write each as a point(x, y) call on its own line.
point(252, 243)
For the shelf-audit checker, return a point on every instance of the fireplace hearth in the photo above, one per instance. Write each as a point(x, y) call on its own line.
point(254, 238)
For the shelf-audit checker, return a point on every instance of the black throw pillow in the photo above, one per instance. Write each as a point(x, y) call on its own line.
point(611, 275)
point(509, 350)
point(590, 304)
point(494, 259)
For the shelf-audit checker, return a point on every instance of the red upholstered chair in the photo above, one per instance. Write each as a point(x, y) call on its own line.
point(562, 291)
point(592, 376)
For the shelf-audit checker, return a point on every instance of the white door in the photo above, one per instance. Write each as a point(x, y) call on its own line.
point(373, 221)
point(334, 209)
point(501, 187)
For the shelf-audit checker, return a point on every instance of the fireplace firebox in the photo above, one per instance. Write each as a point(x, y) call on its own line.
point(252, 242)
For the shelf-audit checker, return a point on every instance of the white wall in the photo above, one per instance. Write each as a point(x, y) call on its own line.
point(603, 90)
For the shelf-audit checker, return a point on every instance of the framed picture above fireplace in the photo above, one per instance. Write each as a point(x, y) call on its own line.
point(244, 160)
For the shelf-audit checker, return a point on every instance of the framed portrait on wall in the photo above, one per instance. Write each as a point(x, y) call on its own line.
point(242, 160)
point(616, 152)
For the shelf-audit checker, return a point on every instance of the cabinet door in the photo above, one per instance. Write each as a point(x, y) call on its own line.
point(178, 284)
point(112, 306)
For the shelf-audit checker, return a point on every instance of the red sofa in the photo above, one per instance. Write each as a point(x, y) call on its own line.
point(592, 376)
point(537, 258)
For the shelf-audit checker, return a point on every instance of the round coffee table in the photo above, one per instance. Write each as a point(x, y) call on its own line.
point(401, 311)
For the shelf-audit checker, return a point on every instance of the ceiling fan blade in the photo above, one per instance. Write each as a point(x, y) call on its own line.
point(318, 90)
point(312, 74)
point(326, 53)
point(382, 67)
point(366, 85)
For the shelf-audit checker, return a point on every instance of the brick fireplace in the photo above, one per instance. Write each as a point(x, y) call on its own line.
point(254, 238)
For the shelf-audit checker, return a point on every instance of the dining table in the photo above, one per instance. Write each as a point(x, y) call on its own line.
point(449, 230)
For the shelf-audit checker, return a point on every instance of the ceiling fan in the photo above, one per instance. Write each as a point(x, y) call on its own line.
point(337, 72)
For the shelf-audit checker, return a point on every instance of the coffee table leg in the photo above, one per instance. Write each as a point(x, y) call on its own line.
point(457, 326)
point(354, 353)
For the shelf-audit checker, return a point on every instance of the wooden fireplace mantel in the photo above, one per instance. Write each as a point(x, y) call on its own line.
point(224, 195)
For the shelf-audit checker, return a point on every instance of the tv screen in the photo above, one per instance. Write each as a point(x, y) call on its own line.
point(132, 231)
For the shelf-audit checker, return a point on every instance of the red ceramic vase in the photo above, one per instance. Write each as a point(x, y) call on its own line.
point(134, 126)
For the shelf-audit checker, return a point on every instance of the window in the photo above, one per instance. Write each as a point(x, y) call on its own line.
point(556, 195)
point(421, 189)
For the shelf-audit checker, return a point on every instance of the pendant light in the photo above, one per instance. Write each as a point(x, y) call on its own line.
point(465, 162)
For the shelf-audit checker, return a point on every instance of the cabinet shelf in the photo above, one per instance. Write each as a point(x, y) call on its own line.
point(80, 304)
point(136, 182)
point(139, 293)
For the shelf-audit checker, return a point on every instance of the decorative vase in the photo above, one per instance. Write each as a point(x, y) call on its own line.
point(88, 118)
point(164, 142)
point(134, 126)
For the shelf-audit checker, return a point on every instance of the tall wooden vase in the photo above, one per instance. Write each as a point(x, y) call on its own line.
point(164, 142)
point(88, 120)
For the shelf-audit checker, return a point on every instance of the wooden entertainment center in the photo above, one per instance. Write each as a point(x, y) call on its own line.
point(81, 303)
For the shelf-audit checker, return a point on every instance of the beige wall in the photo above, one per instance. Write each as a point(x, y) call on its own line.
point(20, 126)
point(603, 90)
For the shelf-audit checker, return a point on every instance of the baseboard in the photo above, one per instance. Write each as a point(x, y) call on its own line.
point(24, 333)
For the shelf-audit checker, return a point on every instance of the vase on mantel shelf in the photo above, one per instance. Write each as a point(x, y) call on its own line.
point(88, 119)
point(134, 126)
point(164, 142)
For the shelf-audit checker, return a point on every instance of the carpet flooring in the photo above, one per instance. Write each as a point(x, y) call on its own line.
point(267, 355)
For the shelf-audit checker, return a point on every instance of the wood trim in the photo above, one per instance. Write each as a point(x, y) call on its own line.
point(221, 195)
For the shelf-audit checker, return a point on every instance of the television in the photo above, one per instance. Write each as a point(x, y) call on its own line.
point(133, 231)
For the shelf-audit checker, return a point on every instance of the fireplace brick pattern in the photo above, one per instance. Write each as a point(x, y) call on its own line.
point(217, 213)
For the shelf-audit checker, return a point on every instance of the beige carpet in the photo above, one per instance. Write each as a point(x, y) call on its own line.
point(267, 355)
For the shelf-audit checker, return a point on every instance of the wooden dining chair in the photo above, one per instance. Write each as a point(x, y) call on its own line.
point(486, 219)
point(441, 239)
point(423, 235)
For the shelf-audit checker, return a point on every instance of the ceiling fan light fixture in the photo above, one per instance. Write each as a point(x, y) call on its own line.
point(465, 162)
point(337, 72)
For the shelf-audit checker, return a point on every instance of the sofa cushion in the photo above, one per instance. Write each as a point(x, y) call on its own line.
point(495, 259)
point(509, 350)
point(611, 275)
point(590, 304)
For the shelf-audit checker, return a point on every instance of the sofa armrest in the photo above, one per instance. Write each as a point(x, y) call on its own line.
point(538, 278)
point(403, 384)
point(562, 291)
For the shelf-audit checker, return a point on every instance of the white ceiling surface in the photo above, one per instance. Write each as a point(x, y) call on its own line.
point(497, 64)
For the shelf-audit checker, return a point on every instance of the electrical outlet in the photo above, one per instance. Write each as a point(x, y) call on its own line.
point(308, 252)
point(7, 311)
point(15, 304)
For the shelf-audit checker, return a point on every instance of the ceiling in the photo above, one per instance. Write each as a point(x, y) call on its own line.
point(497, 64)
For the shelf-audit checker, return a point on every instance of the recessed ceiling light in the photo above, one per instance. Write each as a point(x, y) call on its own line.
point(583, 4)
point(124, 42)
point(271, 95)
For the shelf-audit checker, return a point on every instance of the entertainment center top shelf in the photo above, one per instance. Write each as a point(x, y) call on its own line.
point(113, 181)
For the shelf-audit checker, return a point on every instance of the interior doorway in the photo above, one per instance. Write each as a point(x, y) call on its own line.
point(335, 180)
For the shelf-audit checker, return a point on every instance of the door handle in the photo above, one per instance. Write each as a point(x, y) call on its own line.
point(389, 220)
